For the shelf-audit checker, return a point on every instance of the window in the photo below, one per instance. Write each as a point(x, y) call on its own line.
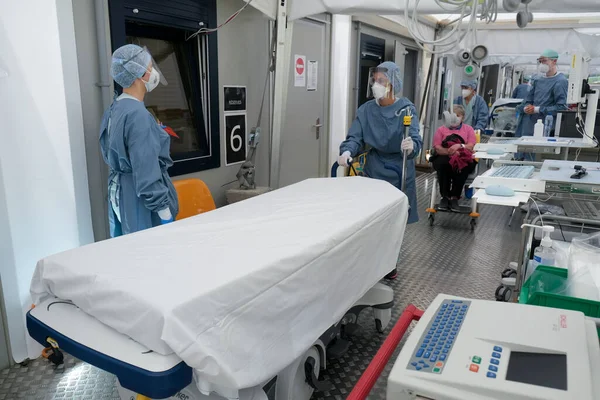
point(189, 103)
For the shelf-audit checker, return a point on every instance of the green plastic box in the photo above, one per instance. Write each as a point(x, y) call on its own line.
point(552, 278)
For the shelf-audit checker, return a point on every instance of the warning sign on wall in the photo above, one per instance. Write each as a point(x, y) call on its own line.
point(299, 71)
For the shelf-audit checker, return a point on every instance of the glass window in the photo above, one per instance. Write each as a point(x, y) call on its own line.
point(174, 105)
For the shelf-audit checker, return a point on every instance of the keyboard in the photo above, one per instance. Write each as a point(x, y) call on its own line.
point(435, 346)
point(581, 209)
point(514, 171)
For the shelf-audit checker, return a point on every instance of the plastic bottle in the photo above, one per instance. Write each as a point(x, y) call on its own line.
point(548, 125)
point(538, 129)
point(545, 254)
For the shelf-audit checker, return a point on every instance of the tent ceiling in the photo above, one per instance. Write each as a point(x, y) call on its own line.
point(304, 8)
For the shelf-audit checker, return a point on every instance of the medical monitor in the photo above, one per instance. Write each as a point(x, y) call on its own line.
point(565, 125)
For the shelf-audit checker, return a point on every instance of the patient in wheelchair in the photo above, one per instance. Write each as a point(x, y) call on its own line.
point(453, 158)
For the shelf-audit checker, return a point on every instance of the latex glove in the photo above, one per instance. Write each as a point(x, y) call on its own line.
point(408, 145)
point(165, 216)
point(344, 160)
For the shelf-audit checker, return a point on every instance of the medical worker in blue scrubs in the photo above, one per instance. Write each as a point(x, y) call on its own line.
point(547, 96)
point(379, 128)
point(476, 110)
point(136, 148)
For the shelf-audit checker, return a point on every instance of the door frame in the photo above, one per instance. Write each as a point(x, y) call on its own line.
point(392, 39)
point(324, 168)
point(323, 156)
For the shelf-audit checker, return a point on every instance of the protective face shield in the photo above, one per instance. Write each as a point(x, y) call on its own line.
point(153, 81)
point(379, 85)
point(156, 75)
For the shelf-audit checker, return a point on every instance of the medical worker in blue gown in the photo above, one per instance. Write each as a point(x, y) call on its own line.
point(379, 128)
point(476, 110)
point(547, 96)
point(136, 148)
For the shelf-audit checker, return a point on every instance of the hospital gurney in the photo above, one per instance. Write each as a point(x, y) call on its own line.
point(240, 303)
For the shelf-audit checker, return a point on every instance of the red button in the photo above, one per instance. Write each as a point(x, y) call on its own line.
point(439, 364)
point(474, 368)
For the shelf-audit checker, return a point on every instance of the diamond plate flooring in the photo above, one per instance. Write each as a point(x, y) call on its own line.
point(444, 258)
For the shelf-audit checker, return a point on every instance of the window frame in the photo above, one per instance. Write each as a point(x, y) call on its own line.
point(205, 72)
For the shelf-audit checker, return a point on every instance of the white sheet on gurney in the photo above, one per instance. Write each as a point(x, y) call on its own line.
point(240, 292)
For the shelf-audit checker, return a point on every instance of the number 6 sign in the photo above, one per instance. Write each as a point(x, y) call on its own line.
point(235, 138)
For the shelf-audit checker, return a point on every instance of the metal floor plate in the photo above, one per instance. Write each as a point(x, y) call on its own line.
point(445, 258)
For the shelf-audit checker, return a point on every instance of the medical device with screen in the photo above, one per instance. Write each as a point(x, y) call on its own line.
point(465, 349)
point(565, 125)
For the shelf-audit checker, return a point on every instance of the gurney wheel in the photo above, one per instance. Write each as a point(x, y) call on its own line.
point(473, 223)
point(503, 293)
point(431, 219)
point(509, 273)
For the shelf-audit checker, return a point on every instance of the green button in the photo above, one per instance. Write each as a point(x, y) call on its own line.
point(477, 360)
point(436, 370)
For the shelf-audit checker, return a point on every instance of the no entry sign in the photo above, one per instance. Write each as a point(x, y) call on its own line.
point(299, 71)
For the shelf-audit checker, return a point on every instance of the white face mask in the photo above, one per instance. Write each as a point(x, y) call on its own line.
point(153, 81)
point(466, 93)
point(379, 91)
point(543, 68)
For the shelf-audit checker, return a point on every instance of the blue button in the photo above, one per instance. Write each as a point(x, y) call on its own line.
point(465, 306)
point(428, 337)
point(436, 336)
point(445, 351)
point(429, 349)
point(447, 346)
point(433, 359)
point(493, 368)
point(491, 375)
point(434, 325)
point(423, 346)
point(414, 364)
point(438, 348)
point(426, 341)
point(418, 368)
point(437, 352)
point(498, 349)
point(457, 301)
point(421, 362)
point(451, 337)
point(494, 361)
point(496, 355)
point(419, 352)
point(431, 332)
point(443, 357)
point(444, 305)
point(450, 342)
point(425, 365)
point(427, 354)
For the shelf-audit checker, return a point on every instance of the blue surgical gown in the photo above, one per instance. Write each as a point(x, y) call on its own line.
point(550, 95)
point(521, 91)
point(480, 111)
point(137, 152)
point(382, 131)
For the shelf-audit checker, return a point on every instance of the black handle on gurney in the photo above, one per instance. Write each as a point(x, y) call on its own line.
point(335, 167)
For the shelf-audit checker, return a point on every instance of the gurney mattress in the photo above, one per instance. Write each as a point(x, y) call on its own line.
point(240, 292)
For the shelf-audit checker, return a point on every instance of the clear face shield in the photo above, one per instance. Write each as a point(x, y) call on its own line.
point(379, 84)
point(156, 77)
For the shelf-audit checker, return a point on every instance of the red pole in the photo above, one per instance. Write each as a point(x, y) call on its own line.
point(373, 371)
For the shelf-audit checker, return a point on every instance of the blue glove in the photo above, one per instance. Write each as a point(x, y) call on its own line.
point(166, 221)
